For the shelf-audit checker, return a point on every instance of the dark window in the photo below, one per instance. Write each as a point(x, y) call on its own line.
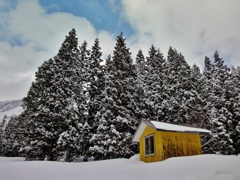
point(149, 145)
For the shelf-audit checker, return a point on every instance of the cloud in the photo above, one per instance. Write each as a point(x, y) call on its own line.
point(31, 36)
point(195, 28)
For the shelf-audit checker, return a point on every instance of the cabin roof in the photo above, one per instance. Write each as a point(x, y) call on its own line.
point(165, 127)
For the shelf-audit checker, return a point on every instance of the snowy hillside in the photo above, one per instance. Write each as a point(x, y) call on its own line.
point(202, 167)
point(10, 108)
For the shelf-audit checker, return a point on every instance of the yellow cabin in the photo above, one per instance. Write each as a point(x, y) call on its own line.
point(159, 141)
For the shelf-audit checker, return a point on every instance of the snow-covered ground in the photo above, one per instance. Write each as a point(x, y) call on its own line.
point(201, 167)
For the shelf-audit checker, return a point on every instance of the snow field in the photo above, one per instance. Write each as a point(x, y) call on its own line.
point(201, 167)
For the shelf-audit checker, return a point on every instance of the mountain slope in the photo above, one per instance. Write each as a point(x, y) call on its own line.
point(10, 108)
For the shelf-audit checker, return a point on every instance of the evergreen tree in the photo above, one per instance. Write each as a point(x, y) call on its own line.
point(171, 83)
point(9, 138)
point(21, 135)
point(71, 82)
point(39, 133)
point(39, 108)
point(2, 123)
point(153, 85)
point(67, 143)
point(55, 105)
point(207, 83)
point(141, 109)
point(206, 94)
point(220, 116)
point(178, 88)
point(76, 106)
point(95, 80)
point(220, 75)
point(232, 95)
point(117, 121)
point(84, 64)
point(85, 74)
point(196, 102)
point(221, 143)
point(220, 99)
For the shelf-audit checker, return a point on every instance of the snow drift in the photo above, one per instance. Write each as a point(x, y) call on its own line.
point(201, 167)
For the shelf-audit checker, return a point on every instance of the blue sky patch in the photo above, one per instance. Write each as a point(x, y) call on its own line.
point(102, 14)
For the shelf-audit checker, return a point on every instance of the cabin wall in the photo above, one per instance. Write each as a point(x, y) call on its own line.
point(170, 144)
point(157, 142)
point(180, 144)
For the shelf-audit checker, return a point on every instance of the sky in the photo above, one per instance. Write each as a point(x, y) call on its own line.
point(32, 31)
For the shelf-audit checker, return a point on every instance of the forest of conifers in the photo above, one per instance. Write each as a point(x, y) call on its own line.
point(82, 105)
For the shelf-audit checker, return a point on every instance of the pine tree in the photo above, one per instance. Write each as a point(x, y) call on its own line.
point(71, 82)
point(84, 63)
point(222, 142)
point(207, 82)
point(67, 143)
point(220, 97)
point(153, 85)
point(2, 123)
point(141, 109)
point(232, 95)
point(95, 87)
point(179, 88)
point(220, 75)
point(96, 81)
point(21, 135)
point(9, 138)
point(170, 88)
point(55, 105)
point(196, 102)
point(117, 121)
point(220, 116)
point(84, 74)
point(206, 94)
point(37, 111)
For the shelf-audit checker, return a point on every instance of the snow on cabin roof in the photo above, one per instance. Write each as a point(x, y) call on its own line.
point(178, 128)
point(165, 127)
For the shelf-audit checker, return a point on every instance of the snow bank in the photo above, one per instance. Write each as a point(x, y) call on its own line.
point(202, 167)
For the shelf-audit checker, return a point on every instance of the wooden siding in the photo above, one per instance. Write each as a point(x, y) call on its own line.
point(180, 144)
point(170, 144)
point(157, 143)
